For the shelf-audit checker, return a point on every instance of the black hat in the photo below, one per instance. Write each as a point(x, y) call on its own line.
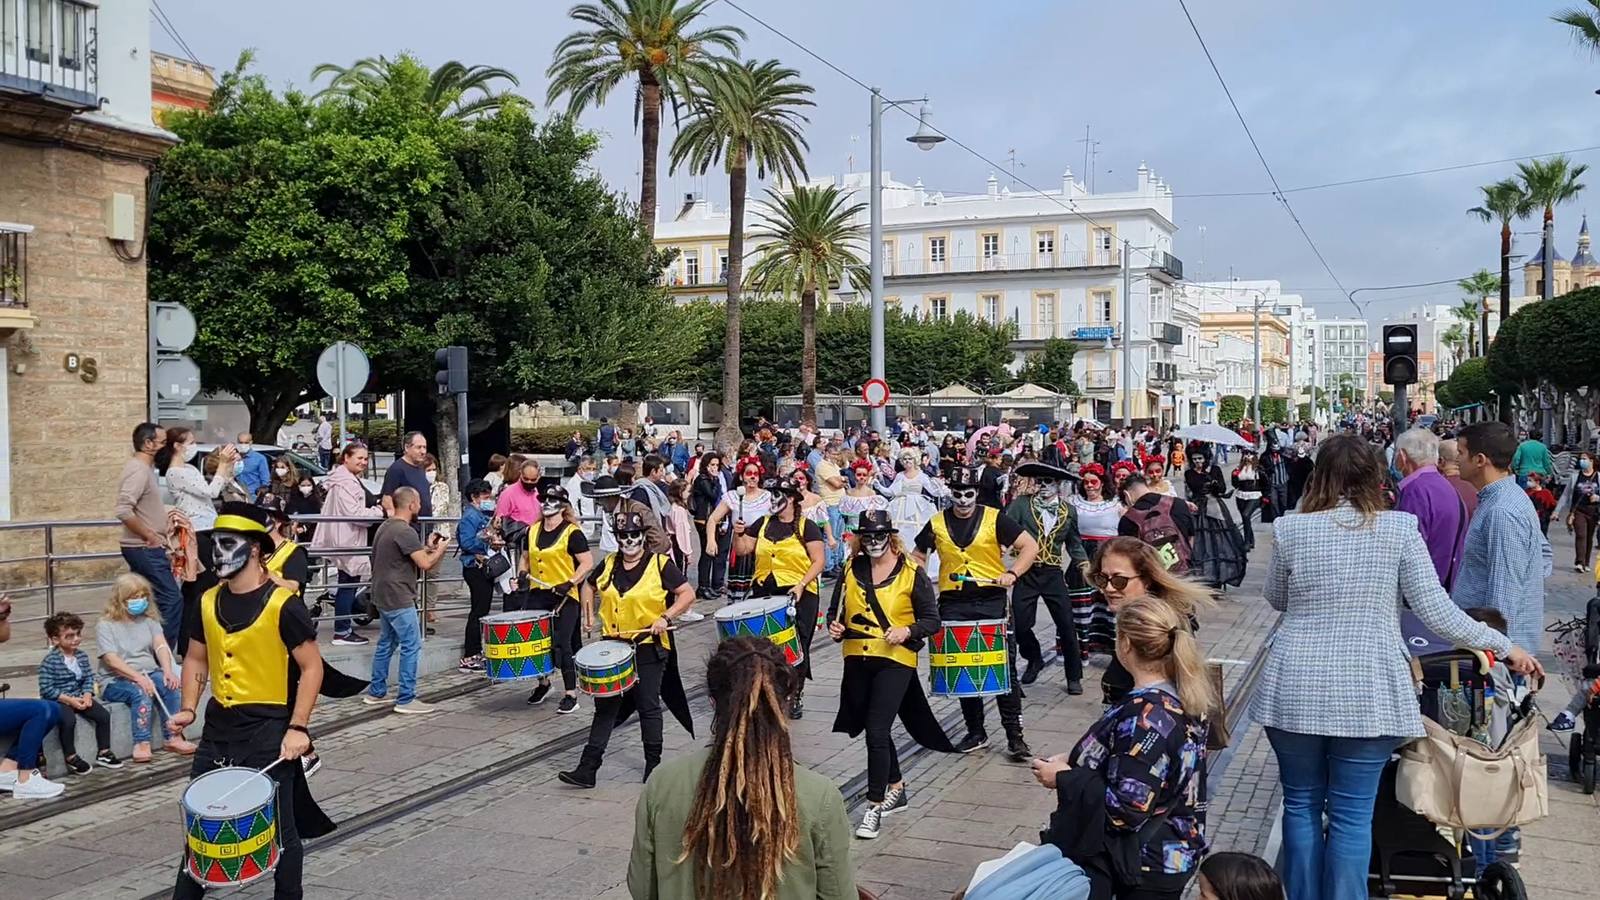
point(603, 486)
point(963, 477)
point(238, 517)
point(875, 521)
point(627, 523)
point(1043, 470)
point(556, 494)
point(784, 485)
point(274, 506)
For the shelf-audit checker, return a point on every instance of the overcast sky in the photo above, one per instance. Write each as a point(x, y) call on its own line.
point(1331, 91)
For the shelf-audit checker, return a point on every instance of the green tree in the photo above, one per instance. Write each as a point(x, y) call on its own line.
point(811, 241)
point(743, 113)
point(1274, 409)
point(1441, 393)
point(1051, 366)
point(1548, 183)
point(1478, 287)
point(661, 44)
point(1471, 383)
point(1455, 338)
point(448, 86)
point(284, 227)
point(1584, 22)
point(1232, 409)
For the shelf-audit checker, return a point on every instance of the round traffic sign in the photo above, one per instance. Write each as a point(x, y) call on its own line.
point(177, 379)
point(875, 392)
point(173, 327)
point(343, 370)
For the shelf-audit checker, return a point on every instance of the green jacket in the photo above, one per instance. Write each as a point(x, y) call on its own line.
point(1532, 456)
point(820, 869)
point(1063, 539)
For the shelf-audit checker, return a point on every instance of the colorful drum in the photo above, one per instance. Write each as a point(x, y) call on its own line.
point(968, 659)
point(767, 617)
point(230, 823)
point(605, 668)
point(516, 645)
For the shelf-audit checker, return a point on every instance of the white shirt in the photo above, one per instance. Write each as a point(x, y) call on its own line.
point(193, 496)
point(746, 509)
point(325, 435)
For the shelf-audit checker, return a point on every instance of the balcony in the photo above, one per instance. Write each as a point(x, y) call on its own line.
point(1002, 262)
point(1164, 371)
point(1099, 381)
point(1168, 264)
point(14, 276)
point(48, 51)
point(1168, 333)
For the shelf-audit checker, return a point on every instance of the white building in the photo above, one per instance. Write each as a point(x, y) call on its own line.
point(1235, 365)
point(1337, 347)
point(1195, 395)
point(1049, 262)
point(1243, 295)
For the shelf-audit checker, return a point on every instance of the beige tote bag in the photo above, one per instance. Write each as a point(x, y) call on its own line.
point(1458, 782)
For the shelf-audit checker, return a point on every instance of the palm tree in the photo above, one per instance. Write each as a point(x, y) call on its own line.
point(447, 89)
point(1585, 24)
point(656, 41)
point(1549, 183)
point(814, 242)
point(1504, 201)
point(1454, 338)
point(743, 113)
point(1477, 286)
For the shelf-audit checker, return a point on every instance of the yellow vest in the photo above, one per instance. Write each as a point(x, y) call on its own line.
point(980, 559)
point(280, 557)
point(643, 603)
point(895, 598)
point(786, 561)
point(552, 564)
point(250, 665)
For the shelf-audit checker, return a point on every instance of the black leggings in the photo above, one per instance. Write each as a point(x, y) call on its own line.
point(565, 640)
point(886, 684)
point(480, 588)
point(1048, 583)
point(713, 567)
point(650, 664)
point(1247, 509)
point(68, 730)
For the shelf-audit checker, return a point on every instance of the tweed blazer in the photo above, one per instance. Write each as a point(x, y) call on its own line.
point(1337, 664)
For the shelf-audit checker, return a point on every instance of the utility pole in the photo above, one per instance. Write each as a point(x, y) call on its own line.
point(875, 246)
point(1127, 338)
point(1256, 414)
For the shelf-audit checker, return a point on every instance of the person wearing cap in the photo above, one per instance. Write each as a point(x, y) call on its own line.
point(558, 560)
point(247, 634)
point(637, 594)
point(882, 611)
point(1053, 524)
point(788, 552)
point(612, 498)
point(973, 580)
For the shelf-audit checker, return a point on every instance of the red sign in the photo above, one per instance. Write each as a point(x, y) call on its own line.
point(875, 392)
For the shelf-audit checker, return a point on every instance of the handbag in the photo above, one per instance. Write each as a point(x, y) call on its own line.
point(497, 565)
point(1455, 781)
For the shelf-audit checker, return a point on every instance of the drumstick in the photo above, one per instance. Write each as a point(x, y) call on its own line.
point(217, 803)
point(639, 632)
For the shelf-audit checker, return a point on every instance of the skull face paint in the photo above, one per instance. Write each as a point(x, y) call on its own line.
point(229, 553)
point(965, 499)
point(631, 544)
point(1049, 491)
point(875, 545)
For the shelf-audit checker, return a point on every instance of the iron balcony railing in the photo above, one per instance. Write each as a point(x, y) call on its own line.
point(1021, 261)
point(1099, 380)
point(48, 49)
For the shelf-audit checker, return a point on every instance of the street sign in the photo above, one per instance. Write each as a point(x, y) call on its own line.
point(172, 326)
point(177, 380)
point(342, 370)
point(875, 393)
point(1094, 333)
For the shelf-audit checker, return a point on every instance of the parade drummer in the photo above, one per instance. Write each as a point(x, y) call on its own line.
point(637, 595)
point(246, 636)
point(788, 553)
point(1053, 525)
point(973, 579)
point(558, 560)
point(883, 610)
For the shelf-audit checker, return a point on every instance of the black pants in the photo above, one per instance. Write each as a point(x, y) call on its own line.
point(256, 750)
point(713, 567)
point(480, 589)
point(650, 665)
point(564, 637)
point(1047, 583)
point(1009, 704)
point(1160, 886)
point(886, 682)
point(1583, 525)
point(68, 730)
point(1247, 509)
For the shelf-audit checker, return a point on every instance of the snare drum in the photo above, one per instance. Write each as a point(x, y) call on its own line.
point(766, 617)
point(516, 645)
point(230, 823)
point(968, 659)
point(605, 668)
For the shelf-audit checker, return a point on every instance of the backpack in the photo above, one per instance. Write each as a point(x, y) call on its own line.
point(1158, 529)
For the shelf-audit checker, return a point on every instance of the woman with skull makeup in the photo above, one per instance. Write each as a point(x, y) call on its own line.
point(912, 496)
point(558, 559)
point(788, 551)
point(883, 610)
point(1053, 523)
point(637, 596)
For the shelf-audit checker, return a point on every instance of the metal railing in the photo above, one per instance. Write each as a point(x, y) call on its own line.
point(1099, 379)
point(48, 49)
point(1023, 261)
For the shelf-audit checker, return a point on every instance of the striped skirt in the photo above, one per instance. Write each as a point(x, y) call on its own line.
point(1097, 627)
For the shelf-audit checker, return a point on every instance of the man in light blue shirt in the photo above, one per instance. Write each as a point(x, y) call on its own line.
point(1506, 558)
point(253, 473)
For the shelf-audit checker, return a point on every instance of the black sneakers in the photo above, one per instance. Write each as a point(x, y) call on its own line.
point(1030, 674)
point(569, 704)
point(972, 742)
point(78, 766)
point(1017, 749)
point(105, 759)
point(539, 693)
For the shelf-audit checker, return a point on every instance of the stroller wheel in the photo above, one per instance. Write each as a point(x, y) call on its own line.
point(1500, 881)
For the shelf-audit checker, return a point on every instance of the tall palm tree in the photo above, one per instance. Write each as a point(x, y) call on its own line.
point(813, 242)
point(1506, 202)
point(744, 113)
point(658, 42)
point(1585, 24)
point(447, 90)
point(1455, 338)
point(1478, 287)
point(1549, 183)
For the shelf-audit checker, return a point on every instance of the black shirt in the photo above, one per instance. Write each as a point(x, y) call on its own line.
point(236, 612)
point(576, 542)
point(989, 487)
point(962, 531)
point(624, 578)
point(404, 474)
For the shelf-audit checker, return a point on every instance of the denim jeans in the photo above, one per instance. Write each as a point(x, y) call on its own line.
point(401, 627)
point(153, 565)
point(1339, 777)
point(835, 557)
point(344, 605)
point(1507, 846)
point(30, 721)
point(142, 706)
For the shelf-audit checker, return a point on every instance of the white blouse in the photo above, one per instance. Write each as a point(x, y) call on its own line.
point(193, 496)
point(1097, 518)
point(746, 509)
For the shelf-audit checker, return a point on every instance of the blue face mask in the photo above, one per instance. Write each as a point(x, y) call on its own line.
point(486, 505)
point(138, 605)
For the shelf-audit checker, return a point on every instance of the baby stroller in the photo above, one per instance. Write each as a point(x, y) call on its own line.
point(1411, 855)
point(1577, 645)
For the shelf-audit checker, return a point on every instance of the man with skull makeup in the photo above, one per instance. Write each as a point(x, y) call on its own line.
point(788, 553)
point(638, 595)
point(1053, 523)
point(971, 541)
point(883, 609)
point(245, 635)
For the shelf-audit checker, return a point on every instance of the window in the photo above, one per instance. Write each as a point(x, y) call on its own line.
point(722, 267)
point(888, 257)
point(1158, 304)
point(989, 308)
point(1100, 307)
point(938, 308)
point(38, 25)
point(1102, 243)
point(1045, 313)
point(991, 245)
point(691, 268)
point(1045, 244)
point(937, 253)
point(71, 31)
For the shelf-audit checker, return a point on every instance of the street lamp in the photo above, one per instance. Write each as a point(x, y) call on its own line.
point(925, 139)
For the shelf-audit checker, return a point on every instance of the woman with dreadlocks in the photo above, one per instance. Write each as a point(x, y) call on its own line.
point(739, 820)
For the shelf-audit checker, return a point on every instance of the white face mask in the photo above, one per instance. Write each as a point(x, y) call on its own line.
point(306, 489)
point(245, 448)
point(875, 545)
point(431, 476)
point(282, 471)
point(631, 545)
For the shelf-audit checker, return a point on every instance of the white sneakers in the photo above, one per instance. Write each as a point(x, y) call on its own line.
point(37, 787)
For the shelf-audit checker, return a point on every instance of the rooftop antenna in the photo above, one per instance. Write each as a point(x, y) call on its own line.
point(850, 161)
point(1012, 153)
point(1090, 151)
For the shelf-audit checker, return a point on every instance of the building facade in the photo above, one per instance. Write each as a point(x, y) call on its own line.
point(1582, 271)
point(178, 84)
point(1338, 351)
point(77, 144)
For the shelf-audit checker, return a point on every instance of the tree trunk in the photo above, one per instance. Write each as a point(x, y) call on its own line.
point(808, 355)
point(1506, 414)
point(449, 447)
point(650, 137)
point(269, 411)
point(1549, 271)
point(729, 433)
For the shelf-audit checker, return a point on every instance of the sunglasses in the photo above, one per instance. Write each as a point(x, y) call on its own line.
point(1116, 582)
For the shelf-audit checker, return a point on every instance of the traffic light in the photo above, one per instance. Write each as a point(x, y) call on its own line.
point(1400, 354)
point(451, 363)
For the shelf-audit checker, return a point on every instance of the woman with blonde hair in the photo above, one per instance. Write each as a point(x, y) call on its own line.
point(1140, 771)
point(1125, 569)
point(739, 820)
point(136, 666)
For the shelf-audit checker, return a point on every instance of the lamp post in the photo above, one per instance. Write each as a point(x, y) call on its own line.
point(925, 139)
point(1127, 341)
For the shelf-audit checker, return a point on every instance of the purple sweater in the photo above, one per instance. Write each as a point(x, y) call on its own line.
point(1441, 517)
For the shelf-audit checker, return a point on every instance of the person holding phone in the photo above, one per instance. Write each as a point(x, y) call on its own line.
point(399, 557)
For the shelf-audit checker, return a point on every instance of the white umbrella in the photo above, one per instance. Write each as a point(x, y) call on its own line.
point(1214, 434)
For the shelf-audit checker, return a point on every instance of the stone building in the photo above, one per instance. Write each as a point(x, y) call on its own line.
point(1580, 272)
point(77, 145)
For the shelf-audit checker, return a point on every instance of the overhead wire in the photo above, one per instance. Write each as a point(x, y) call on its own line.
point(171, 29)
